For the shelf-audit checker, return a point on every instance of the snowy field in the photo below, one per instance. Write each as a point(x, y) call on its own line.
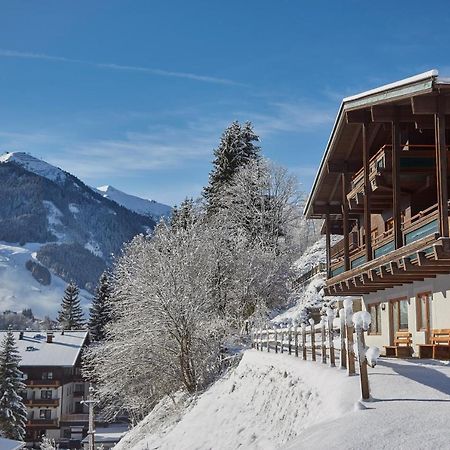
point(278, 401)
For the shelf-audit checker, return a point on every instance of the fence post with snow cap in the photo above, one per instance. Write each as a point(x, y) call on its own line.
point(343, 353)
point(362, 320)
point(304, 340)
point(313, 339)
point(282, 340)
point(275, 338)
point(296, 338)
point(290, 339)
point(348, 312)
point(330, 317)
point(323, 343)
point(268, 339)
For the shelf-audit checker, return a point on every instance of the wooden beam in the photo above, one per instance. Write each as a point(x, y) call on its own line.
point(328, 209)
point(367, 193)
point(387, 113)
point(441, 167)
point(345, 221)
point(339, 167)
point(430, 104)
point(398, 236)
point(328, 244)
point(358, 116)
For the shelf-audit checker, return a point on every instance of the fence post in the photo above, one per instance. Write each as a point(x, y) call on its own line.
point(323, 346)
point(261, 334)
point(364, 377)
point(313, 339)
point(330, 316)
point(296, 338)
point(304, 340)
point(343, 353)
point(348, 309)
point(282, 339)
point(268, 339)
point(276, 338)
point(290, 340)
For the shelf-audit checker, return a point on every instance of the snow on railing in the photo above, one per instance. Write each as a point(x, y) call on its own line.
point(308, 339)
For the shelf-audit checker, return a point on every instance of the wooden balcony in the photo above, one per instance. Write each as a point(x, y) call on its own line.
point(43, 383)
point(43, 423)
point(75, 418)
point(42, 402)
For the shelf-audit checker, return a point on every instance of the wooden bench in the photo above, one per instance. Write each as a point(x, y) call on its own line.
point(402, 345)
point(439, 346)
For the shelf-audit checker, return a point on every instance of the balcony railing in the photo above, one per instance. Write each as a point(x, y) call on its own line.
point(422, 224)
point(42, 423)
point(53, 383)
point(42, 402)
point(75, 418)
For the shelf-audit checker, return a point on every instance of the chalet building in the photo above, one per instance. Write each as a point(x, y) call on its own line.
point(383, 186)
point(51, 364)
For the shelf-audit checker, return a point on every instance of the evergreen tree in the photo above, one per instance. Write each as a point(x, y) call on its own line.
point(184, 216)
point(100, 313)
point(13, 413)
point(236, 149)
point(71, 315)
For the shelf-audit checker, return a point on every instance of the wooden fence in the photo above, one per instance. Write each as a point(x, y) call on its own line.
point(309, 342)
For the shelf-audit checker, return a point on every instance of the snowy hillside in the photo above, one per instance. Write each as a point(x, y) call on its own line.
point(278, 401)
point(18, 288)
point(136, 204)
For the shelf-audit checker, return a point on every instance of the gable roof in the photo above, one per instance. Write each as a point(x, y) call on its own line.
point(36, 351)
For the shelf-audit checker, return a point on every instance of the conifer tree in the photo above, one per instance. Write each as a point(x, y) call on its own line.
point(236, 149)
point(13, 413)
point(71, 315)
point(184, 216)
point(100, 313)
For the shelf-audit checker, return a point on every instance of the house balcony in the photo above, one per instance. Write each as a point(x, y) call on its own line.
point(43, 423)
point(42, 402)
point(43, 383)
point(75, 418)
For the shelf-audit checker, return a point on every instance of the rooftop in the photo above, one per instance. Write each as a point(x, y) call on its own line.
point(36, 351)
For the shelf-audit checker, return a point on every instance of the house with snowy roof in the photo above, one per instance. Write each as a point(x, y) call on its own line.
point(382, 185)
point(51, 366)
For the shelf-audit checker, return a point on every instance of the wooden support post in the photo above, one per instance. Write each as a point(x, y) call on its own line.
point(304, 341)
point(364, 376)
point(290, 340)
point(260, 340)
point(276, 339)
point(281, 341)
point(345, 225)
point(328, 244)
point(268, 340)
point(396, 204)
point(330, 339)
point(323, 344)
point(296, 339)
point(441, 168)
point(313, 340)
point(350, 350)
point(367, 193)
point(343, 354)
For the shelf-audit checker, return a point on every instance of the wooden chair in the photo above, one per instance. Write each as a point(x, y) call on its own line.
point(402, 345)
point(439, 346)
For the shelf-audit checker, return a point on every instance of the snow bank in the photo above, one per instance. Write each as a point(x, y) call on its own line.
point(262, 404)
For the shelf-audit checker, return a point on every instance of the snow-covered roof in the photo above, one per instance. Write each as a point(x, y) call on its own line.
point(110, 434)
point(8, 444)
point(36, 351)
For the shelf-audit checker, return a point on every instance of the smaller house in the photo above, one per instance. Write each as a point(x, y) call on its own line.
point(107, 437)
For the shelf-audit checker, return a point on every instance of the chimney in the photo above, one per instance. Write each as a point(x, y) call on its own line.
point(20, 335)
point(49, 337)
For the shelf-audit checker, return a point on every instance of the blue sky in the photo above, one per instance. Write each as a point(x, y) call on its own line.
point(136, 94)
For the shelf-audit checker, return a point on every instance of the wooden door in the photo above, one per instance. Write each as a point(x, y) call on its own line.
point(423, 310)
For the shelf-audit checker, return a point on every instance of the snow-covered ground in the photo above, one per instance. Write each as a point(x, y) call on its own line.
point(18, 288)
point(278, 401)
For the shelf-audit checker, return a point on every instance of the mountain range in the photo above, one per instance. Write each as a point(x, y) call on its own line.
point(55, 229)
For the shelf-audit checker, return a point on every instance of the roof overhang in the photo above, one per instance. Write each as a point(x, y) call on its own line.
point(409, 87)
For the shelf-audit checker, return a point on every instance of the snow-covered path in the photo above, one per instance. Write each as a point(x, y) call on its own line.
point(410, 410)
point(278, 401)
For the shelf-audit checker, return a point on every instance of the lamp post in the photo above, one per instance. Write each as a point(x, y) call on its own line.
point(90, 402)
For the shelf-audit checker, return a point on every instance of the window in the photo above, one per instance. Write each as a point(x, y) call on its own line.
point(375, 313)
point(46, 394)
point(399, 309)
point(423, 301)
point(45, 414)
point(47, 375)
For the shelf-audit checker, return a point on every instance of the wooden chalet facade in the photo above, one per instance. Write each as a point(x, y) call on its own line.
point(383, 186)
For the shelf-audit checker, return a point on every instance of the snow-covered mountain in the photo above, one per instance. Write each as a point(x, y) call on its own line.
point(54, 229)
point(137, 204)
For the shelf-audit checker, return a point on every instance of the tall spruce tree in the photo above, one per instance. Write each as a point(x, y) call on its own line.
point(13, 413)
point(71, 315)
point(184, 216)
point(100, 312)
point(236, 149)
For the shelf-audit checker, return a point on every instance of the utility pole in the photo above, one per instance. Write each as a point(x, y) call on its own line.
point(91, 402)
